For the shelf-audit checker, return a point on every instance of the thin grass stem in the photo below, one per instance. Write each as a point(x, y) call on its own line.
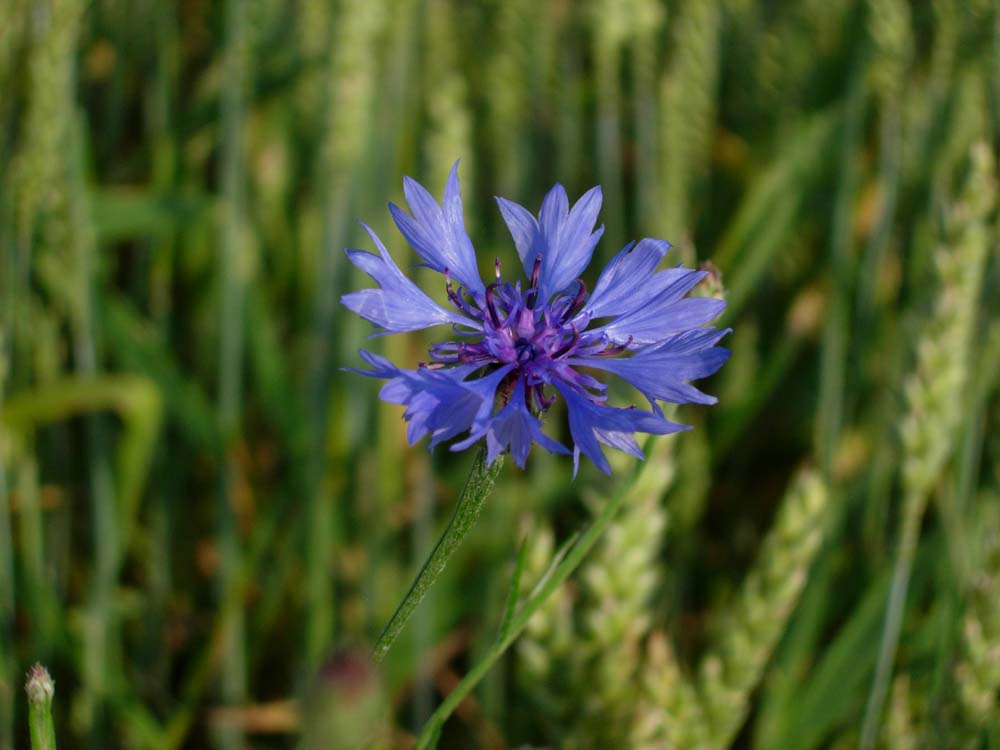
point(235, 64)
point(913, 512)
point(7, 593)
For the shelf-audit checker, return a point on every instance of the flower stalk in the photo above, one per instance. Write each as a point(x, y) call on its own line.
point(470, 504)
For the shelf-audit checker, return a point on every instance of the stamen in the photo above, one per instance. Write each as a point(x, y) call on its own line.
point(490, 306)
point(456, 299)
point(577, 303)
point(496, 268)
point(572, 343)
point(536, 271)
point(506, 388)
point(529, 400)
point(539, 394)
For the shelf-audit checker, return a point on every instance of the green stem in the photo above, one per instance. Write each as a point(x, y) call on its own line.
point(576, 554)
point(232, 252)
point(470, 504)
point(40, 689)
point(7, 658)
point(913, 512)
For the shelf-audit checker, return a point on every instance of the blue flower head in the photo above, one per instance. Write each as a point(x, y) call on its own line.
point(517, 347)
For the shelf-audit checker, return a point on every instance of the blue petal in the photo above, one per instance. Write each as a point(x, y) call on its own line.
point(658, 309)
point(628, 273)
point(660, 372)
point(382, 368)
point(574, 244)
point(656, 322)
point(524, 229)
point(437, 233)
point(514, 427)
point(591, 424)
point(459, 409)
point(623, 441)
point(404, 385)
point(398, 305)
point(569, 238)
point(564, 238)
point(438, 402)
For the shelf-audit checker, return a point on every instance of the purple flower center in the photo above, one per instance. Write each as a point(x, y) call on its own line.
point(532, 335)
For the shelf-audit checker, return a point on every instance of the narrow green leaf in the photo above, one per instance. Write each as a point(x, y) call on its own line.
point(514, 595)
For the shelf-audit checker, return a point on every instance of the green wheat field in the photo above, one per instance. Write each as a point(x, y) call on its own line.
point(205, 522)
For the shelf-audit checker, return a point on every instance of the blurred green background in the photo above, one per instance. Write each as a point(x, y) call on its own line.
point(198, 508)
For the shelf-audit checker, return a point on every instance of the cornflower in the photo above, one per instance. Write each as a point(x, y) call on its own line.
point(516, 348)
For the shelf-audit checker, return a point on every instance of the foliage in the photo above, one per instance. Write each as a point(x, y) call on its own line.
point(203, 521)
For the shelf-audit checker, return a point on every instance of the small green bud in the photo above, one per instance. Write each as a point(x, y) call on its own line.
point(347, 705)
point(40, 689)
